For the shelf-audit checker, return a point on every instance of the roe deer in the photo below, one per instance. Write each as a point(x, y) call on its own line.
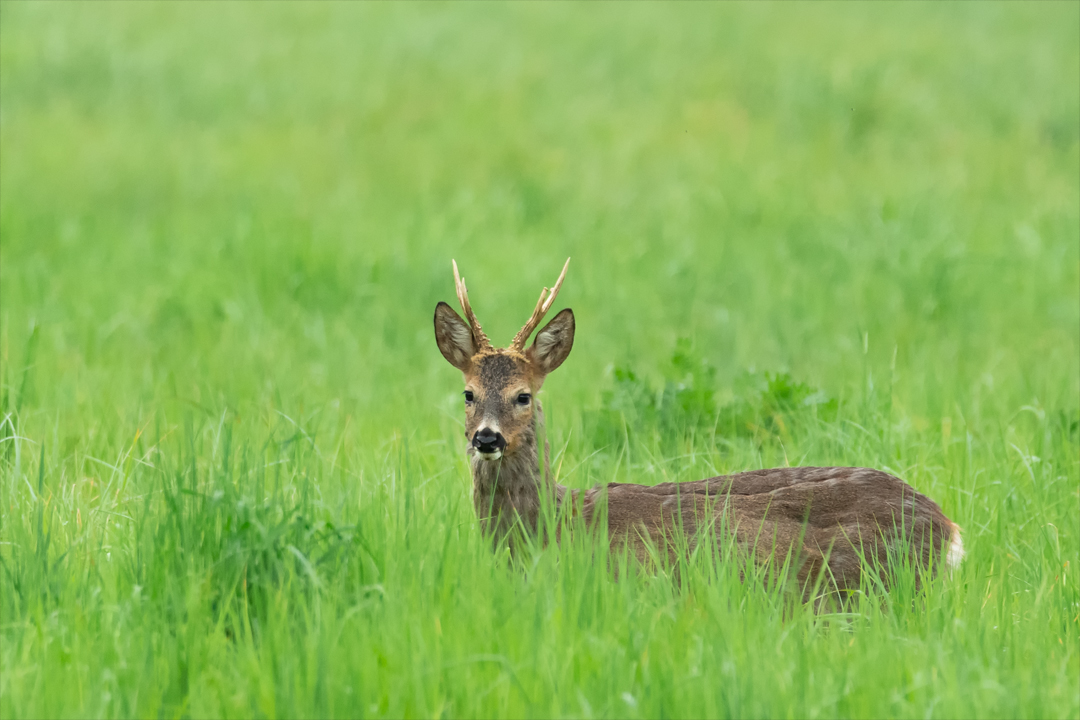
point(831, 520)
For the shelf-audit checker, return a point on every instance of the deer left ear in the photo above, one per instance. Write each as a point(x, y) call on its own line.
point(553, 343)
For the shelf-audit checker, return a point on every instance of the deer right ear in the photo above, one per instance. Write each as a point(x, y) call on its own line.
point(454, 337)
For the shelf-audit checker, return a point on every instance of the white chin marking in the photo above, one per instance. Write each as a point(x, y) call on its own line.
point(490, 456)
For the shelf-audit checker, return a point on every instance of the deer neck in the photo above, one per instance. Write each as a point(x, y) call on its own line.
point(513, 486)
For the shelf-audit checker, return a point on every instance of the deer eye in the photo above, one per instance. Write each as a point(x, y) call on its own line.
point(468, 396)
point(524, 398)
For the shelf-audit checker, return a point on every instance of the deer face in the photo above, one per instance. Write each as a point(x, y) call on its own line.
point(501, 383)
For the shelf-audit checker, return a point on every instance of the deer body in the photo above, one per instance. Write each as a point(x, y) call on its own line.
point(831, 521)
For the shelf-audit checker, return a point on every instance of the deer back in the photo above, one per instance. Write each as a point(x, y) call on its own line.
point(832, 520)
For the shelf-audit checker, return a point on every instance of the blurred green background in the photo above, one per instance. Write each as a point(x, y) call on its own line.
point(204, 200)
point(852, 231)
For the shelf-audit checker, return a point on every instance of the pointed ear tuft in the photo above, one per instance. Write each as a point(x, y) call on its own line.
point(553, 343)
point(454, 337)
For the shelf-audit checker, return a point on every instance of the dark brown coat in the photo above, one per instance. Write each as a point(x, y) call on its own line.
point(832, 521)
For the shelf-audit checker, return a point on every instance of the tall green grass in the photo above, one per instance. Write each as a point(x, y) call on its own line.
point(232, 479)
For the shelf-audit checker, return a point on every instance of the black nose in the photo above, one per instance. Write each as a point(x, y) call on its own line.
point(488, 441)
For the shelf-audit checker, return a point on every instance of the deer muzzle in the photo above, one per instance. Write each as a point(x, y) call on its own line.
point(489, 443)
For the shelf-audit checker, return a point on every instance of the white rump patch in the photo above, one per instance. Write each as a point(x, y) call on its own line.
point(956, 549)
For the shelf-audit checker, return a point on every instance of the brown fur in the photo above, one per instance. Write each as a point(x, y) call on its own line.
point(830, 523)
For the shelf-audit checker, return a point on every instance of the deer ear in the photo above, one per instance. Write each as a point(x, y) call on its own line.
point(454, 337)
point(553, 343)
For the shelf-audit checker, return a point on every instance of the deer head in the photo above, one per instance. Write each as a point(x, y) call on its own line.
point(501, 383)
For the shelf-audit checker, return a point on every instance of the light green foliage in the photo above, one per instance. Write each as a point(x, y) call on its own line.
point(232, 479)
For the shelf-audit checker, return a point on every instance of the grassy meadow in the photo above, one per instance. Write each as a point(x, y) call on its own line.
point(232, 471)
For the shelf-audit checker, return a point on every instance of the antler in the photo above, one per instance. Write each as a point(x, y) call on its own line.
point(542, 306)
point(479, 338)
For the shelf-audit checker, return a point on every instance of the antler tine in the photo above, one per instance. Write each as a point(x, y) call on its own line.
point(542, 306)
point(479, 337)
